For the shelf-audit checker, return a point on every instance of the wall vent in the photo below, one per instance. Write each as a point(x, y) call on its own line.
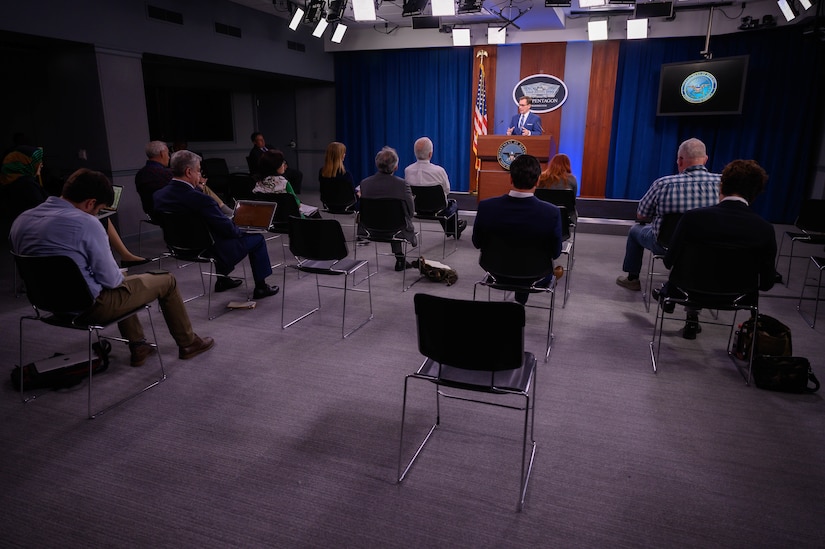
point(162, 14)
point(296, 46)
point(228, 30)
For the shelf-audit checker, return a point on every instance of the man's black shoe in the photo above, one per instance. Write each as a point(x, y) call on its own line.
point(263, 291)
point(691, 329)
point(400, 265)
point(225, 283)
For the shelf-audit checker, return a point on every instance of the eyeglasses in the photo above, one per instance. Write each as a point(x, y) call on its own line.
point(522, 104)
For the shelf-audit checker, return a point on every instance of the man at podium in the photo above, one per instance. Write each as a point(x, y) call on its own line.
point(525, 122)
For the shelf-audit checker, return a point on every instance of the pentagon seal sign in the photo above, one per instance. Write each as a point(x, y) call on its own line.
point(698, 87)
point(508, 151)
point(547, 92)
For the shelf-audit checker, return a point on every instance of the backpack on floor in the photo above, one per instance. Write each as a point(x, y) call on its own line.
point(62, 377)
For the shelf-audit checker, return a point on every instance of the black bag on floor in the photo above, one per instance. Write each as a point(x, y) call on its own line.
point(63, 377)
point(789, 374)
point(772, 338)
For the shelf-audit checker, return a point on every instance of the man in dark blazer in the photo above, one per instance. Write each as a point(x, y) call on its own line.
point(519, 216)
point(525, 122)
point(732, 224)
point(386, 185)
point(182, 195)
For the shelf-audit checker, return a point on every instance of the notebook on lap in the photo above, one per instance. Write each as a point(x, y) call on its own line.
point(254, 215)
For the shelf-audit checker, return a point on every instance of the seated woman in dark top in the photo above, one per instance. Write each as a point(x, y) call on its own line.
point(334, 175)
point(558, 175)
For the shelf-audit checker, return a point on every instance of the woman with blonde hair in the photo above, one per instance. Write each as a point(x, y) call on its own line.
point(558, 174)
point(334, 179)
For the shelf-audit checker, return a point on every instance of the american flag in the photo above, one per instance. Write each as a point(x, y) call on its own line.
point(480, 114)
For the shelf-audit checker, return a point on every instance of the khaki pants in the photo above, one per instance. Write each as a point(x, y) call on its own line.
point(136, 291)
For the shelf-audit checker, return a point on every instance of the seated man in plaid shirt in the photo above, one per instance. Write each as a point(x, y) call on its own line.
point(693, 187)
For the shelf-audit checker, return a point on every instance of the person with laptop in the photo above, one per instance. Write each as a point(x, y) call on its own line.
point(67, 225)
point(231, 245)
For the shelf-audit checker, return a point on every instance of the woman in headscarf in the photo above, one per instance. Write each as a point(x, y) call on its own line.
point(20, 187)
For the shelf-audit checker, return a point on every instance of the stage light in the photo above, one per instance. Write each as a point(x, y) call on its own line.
point(636, 29)
point(787, 11)
point(496, 35)
point(556, 3)
point(597, 30)
point(336, 10)
point(461, 37)
point(413, 7)
point(296, 19)
point(443, 8)
point(591, 3)
point(338, 35)
point(806, 4)
point(315, 12)
point(363, 10)
point(320, 28)
point(469, 6)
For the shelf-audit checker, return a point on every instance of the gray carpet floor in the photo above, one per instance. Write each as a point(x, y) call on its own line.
point(290, 438)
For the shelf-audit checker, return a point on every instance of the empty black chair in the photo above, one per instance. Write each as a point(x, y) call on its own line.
point(59, 295)
point(811, 225)
point(565, 199)
point(492, 362)
point(320, 248)
point(337, 197)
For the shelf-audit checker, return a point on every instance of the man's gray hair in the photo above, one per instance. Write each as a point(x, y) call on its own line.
point(692, 148)
point(155, 148)
point(182, 160)
point(423, 148)
point(386, 160)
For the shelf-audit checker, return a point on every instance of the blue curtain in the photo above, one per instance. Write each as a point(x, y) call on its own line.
point(394, 97)
point(778, 127)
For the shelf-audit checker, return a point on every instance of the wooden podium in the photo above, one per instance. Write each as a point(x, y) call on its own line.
point(494, 180)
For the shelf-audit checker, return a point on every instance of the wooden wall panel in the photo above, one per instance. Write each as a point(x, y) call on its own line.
point(546, 58)
point(490, 75)
point(598, 124)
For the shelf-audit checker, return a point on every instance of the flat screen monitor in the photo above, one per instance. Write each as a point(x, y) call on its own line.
point(715, 86)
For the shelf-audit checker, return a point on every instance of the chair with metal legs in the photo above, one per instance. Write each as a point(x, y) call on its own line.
point(490, 368)
point(818, 263)
point(384, 220)
point(430, 202)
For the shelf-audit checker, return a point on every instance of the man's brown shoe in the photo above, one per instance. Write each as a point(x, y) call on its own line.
point(197, 347)
point(140, 352)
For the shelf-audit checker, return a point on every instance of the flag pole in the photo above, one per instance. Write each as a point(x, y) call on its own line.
point(479, 115)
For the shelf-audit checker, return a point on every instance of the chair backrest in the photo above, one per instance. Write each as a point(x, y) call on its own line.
point(523, 260)
point(54, 283)
point(429, 199)
point(336, 196)
point(254, 214)
point(383, 215)
point(214, 167)
point(668, 226)
point(566, 222)
point(724, 270)
point(497, 328)
point(240, 186)
point(318, 239)
point(185, 234)
point(252, 167)
point(811, 216)
point(287, 207)
point(559, 197)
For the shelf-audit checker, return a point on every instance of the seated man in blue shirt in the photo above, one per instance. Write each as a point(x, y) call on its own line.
point(68, 225)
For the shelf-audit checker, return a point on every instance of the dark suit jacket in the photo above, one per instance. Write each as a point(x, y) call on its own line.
point(730, 224)
point(149, 179)
point(179, 197)
point(254, 156)
point(533, 123)
point(518, 220)
point(384, 185)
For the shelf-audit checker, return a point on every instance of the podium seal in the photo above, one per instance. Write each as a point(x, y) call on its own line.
point(508, 151)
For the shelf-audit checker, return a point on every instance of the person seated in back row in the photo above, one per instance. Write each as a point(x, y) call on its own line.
point(424, 173)
point(182, 195)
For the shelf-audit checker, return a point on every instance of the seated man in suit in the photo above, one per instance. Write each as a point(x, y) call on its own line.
point(519, 216)
point(426, 174)
point(259, 146)
point(68, 225)
point(731, 223)
point(183, 195)
point(386, 185)
point(525, 122)
point(156, 174)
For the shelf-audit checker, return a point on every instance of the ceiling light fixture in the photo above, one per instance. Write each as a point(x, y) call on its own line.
point(461, 37)
point(296, 19)
point(597, 30)
point(591, 3)
point(363, 10)
point(636, 29)
point(496, 35)
point(413, 7)
point(806, 4)
point(320, 28)
point(315, 11)
point(786, 9)
point(338, 35)
point(443, 8)
point(336, 10)
point(469, 6)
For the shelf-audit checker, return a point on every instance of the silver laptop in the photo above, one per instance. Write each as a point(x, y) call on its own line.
point(111, 210)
